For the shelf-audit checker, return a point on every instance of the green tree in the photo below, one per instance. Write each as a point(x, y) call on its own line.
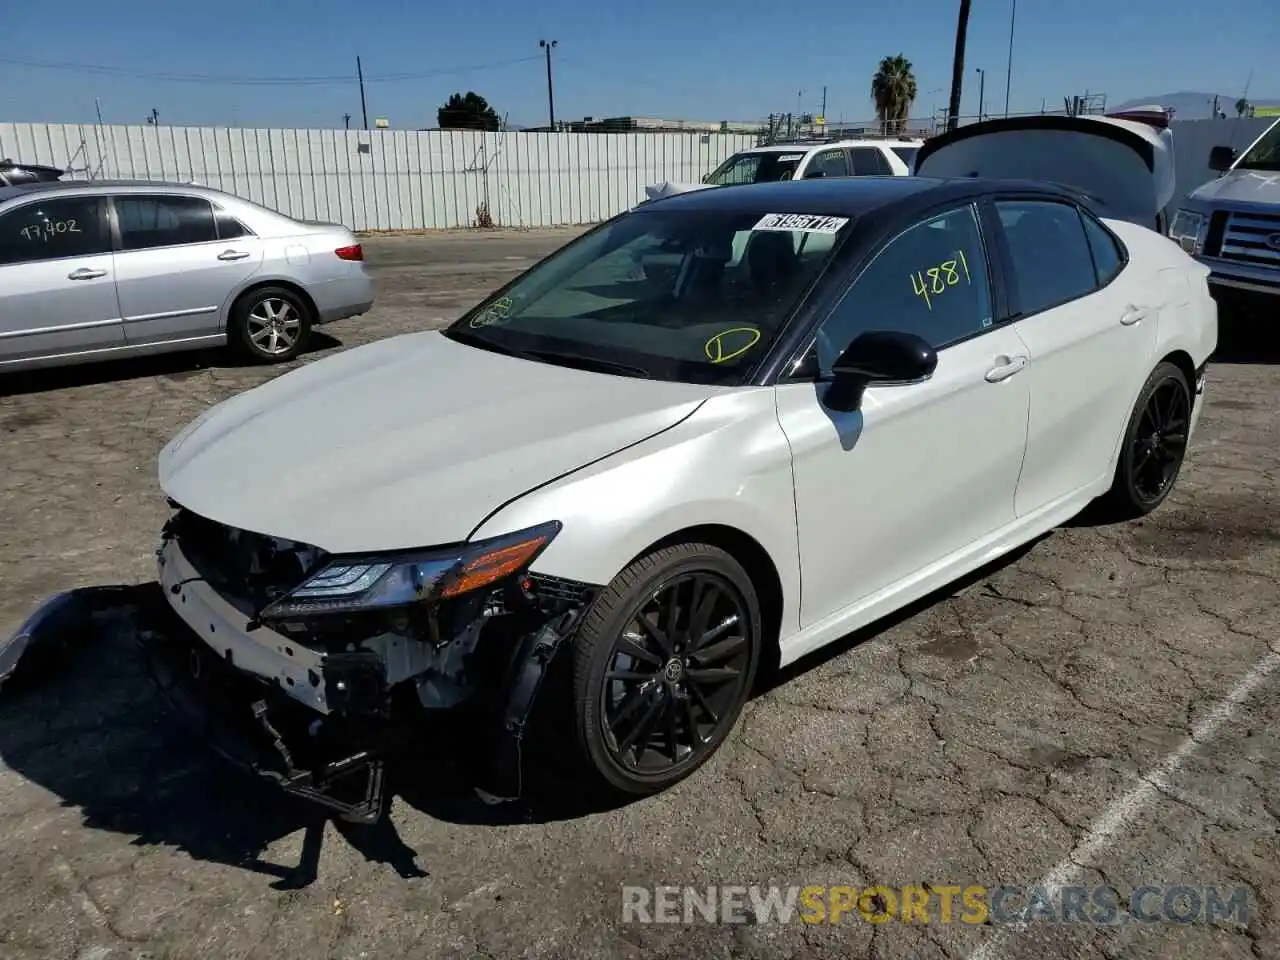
point(893, 89)
point(1242, 107)
point(468, 111)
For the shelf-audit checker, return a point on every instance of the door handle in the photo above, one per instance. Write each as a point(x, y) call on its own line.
point(84, 273)
point(1005, 368)
point(1133, 314)
point(232, 255)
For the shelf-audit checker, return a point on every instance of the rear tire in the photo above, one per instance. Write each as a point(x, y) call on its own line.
point(271, 324)
point(1154, 445)
point(662, 666)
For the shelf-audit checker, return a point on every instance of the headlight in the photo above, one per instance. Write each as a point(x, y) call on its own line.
point(1185, 230)
point(353, 584)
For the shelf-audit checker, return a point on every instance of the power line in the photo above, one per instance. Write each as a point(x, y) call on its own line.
point(251, 81)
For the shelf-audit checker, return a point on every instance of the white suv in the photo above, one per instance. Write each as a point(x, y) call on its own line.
point(802, 161)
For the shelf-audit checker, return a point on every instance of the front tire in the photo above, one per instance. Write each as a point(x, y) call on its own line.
point(663, 664)
point(271, 324)
point(1154, 446)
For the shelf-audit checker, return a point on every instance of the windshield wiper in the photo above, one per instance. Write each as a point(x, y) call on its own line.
point(587, 363)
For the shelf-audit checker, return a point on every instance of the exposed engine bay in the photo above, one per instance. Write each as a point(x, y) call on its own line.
point(318, 690)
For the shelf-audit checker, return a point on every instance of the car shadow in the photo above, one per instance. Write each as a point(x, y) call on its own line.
point(83, 719)
point(172, 366)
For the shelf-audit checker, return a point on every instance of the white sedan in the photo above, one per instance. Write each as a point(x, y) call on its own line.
point(713, 434)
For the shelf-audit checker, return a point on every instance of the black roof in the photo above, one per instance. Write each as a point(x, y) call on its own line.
point(853, 197)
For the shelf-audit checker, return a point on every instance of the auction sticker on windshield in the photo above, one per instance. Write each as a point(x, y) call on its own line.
point(800, 222)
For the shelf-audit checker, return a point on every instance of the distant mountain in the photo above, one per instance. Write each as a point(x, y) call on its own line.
point(1189, 105)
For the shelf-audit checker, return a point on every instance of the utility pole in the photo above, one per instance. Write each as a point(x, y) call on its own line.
point(551, 97)
point(824, 105)
point(982, 90)
point(364, 111)
point(957, 65)
point(1008, 77)
point(346, 121)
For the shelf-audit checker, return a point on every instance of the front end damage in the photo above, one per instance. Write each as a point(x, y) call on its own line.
point(316, 671)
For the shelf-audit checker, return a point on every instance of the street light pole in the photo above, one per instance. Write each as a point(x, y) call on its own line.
point(982, 90)
point(551, 100)
point(1008, 77)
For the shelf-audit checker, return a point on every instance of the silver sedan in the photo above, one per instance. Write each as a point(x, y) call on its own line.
point(91, 270)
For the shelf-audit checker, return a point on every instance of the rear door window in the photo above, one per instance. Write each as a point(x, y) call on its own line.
point(830, 163)
point(869, 162)
point(147, 222)
point(1052, 263)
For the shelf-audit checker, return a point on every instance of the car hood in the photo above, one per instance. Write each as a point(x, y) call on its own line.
point(408, 442)
point(1240, 186)
point(1125, 164)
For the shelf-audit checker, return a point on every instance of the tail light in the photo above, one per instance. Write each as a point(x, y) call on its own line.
point(353, 252)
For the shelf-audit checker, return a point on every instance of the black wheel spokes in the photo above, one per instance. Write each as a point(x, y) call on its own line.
point(1160, 440)
point(675, 673)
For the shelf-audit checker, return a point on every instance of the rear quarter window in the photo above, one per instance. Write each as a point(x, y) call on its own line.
point(1108, 257)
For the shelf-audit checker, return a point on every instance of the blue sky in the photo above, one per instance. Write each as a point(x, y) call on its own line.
point(705, 60)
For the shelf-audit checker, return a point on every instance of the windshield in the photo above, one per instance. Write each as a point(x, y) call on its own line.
point(683, 295)
point(764, 167)
point(907, 155)
point(1265, 154)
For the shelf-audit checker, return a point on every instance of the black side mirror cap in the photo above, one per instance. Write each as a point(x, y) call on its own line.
point(878, 356)
point(815, 174)
point(1221, 158)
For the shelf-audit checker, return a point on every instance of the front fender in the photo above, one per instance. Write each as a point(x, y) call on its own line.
point(728, 465)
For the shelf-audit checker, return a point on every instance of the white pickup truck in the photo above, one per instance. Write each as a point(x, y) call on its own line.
point(1232, 225)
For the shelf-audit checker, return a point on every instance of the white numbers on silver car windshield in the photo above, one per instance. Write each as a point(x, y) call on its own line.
point(45, 230)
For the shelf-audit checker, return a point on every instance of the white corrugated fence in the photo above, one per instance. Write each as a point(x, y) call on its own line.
point(387, 179)
point(409, 180)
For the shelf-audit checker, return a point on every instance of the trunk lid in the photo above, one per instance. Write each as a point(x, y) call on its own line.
point(1125, 165)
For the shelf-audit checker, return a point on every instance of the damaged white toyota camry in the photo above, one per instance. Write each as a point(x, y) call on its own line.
point(716, 432)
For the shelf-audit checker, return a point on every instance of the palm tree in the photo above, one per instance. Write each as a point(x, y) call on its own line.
point(957, 66)
point(893, 88)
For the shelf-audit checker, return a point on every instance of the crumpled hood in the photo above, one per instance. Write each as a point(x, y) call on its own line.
point(1240, 186)
point(408, 442)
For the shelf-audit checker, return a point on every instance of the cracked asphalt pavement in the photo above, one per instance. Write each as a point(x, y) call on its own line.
point(1103, 708)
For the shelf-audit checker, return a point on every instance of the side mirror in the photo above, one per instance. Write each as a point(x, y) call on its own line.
point(878, 356)
point(815, 174)
point(706, 178)
point(1221, 158)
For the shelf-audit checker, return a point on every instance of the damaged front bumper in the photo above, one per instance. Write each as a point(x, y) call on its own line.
point(323, 719)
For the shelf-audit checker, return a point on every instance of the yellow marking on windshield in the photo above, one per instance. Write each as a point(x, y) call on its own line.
point(715, 347)
point(496, 313)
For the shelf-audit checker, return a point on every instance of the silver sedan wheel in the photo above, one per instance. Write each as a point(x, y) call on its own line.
point(274, 326)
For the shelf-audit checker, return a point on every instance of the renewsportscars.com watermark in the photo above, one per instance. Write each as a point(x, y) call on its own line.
point(927, 904)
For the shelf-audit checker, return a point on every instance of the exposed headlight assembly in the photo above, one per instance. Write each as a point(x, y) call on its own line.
point(1185, 230)
point(354, 584)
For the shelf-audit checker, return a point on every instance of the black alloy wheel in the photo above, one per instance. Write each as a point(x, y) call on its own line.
point(664, 666)
point(1155, 443)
